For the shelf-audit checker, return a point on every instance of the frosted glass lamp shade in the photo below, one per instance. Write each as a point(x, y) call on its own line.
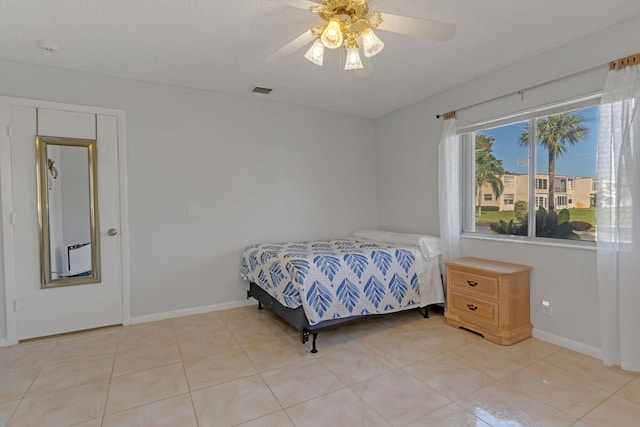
point(332, 35)
point(371, 44)
point(315, 54)
point(353, 59)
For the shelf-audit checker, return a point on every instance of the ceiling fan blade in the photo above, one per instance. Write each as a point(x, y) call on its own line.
point(367, 70)
point(300, 4)
point(292, 46)
point(423, 28)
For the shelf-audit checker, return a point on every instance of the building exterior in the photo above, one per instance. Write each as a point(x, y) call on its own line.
point(579, 192)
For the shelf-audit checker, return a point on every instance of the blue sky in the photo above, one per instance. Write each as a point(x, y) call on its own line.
point(580, 160)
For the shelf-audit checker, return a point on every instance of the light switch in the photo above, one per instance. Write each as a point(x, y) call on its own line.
point(191, 210)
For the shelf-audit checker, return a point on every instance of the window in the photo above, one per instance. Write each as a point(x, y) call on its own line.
point(487, 156)
point(541, 183)
point(564, 186)
point(560, 185)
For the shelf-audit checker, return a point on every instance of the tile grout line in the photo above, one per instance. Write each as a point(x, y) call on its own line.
point(113, 365)
point(184, 372)
point(24, 395)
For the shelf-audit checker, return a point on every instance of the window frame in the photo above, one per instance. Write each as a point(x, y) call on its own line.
point(544, 184)
point(466, 136)
point(560, 197)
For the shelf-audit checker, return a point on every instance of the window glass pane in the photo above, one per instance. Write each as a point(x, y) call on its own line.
point(497, 177)
point(566, 146)
point(501, 180)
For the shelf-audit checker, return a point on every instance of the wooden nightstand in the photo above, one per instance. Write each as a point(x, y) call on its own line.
point(490, 298)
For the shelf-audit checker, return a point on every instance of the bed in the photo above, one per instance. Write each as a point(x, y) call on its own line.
point(318, 284)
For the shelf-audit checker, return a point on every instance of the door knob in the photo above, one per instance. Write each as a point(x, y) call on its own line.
point(112, 232)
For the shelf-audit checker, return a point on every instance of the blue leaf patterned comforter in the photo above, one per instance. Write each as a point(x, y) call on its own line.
point(344, 277)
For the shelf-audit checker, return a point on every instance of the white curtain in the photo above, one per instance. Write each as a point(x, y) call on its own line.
point(449, 190)
point(618, 218)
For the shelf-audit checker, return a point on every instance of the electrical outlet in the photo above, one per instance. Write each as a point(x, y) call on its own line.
point(546, 307)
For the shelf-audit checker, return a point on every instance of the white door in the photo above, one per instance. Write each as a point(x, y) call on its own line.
point(42, 312)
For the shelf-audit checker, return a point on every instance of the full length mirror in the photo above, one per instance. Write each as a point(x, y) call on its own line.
point(68, 211)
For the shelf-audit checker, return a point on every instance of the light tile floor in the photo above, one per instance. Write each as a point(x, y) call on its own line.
point(246, 367)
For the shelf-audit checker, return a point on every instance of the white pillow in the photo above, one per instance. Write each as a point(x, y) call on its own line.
point(429, 245)
point(378, 235)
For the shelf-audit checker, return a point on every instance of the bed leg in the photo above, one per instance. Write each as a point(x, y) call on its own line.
point(249, 296)
point(426, 312)
point(304, 337)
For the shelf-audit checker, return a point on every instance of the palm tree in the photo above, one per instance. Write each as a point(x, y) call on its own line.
point(555, 133)
point(488, 169)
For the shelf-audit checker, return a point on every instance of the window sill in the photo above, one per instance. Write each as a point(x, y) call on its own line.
point(587, 246)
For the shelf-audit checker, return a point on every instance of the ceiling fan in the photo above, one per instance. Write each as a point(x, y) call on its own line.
point(350, 22)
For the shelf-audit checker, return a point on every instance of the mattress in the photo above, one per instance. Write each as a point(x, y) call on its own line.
point(342, 278)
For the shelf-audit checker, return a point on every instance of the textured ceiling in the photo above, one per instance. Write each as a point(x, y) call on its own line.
point(220, 45)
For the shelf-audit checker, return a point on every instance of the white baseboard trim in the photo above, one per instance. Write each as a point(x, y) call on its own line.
point(191, 311)
point(3, 342)
point(567, 343)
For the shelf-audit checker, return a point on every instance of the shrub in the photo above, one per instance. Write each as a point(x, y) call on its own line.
point(510, 227)
point(558, 225)
point(548, 224)
point(521, 209)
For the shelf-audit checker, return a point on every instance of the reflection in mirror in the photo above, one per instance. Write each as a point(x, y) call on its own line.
point(68, 211)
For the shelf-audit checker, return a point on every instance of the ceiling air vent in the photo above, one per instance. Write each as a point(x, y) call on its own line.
point(261, 90)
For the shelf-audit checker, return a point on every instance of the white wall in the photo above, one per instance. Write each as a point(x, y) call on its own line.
point(255, 171)
point(3, 319)
point(407, 143)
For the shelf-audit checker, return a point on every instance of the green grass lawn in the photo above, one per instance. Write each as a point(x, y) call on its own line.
point(585, 214)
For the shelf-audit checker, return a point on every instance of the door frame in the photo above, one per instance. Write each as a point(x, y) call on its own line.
point(6, 212)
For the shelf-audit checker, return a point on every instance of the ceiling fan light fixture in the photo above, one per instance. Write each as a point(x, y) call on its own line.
point(374, 19)
point(332, 35)
point(371, 44)
point(353, 59)
point(345, 22)
point(316, 53)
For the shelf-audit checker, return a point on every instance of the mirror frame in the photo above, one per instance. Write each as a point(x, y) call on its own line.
point(42, 142)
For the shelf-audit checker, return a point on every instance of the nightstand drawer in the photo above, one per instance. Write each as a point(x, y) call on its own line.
point(473, 310)
point(475, 284)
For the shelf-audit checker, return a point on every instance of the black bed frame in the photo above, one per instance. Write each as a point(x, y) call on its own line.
point(298, 319)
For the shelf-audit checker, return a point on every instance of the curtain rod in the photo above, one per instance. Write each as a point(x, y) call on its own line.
point(521, 91)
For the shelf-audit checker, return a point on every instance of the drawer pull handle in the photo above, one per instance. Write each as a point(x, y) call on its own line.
point(472, 307)
point(472, 283)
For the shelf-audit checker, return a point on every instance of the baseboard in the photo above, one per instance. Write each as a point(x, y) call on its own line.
point(191, 311)
point(567, 343)
point(3, 342)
